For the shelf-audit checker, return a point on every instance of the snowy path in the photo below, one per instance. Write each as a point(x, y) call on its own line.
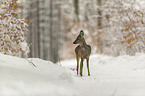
point(111, 76)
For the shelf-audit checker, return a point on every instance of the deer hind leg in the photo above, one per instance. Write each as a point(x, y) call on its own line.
point(81, 66)
point(88, 66)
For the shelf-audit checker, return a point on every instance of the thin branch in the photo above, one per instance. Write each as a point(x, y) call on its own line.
point(31, 62)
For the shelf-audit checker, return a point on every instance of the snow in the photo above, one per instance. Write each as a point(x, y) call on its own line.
point(20, 78)
point(110, 76)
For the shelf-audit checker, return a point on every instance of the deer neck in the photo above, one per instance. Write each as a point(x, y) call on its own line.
point(83, 43)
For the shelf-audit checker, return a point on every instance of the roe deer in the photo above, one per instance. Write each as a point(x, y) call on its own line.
point(82, 51)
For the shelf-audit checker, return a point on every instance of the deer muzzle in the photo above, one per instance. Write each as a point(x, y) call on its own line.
point(74, 42)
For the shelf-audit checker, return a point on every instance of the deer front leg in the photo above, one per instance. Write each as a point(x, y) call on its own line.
point(88, 67)
point(81, 67)
point(77, 65)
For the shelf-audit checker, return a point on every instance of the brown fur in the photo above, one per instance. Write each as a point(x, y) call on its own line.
point(82, 51)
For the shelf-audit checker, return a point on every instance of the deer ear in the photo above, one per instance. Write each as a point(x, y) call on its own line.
point(82, 33)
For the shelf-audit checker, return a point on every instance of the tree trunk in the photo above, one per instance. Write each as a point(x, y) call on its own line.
point(76, 11)
point(38, 32)
point(99, 25)
point(53, 23)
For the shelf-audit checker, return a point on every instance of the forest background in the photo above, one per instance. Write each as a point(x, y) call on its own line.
point(112, 27)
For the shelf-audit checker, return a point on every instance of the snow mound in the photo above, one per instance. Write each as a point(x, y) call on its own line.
point(20, 78)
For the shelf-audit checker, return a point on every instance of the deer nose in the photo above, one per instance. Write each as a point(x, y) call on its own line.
point(74, 42)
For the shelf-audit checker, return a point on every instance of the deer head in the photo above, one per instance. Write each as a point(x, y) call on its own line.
point(79, 38)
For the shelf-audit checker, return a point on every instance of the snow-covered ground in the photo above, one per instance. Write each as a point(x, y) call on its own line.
point(18, 77)
point(110, 76)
